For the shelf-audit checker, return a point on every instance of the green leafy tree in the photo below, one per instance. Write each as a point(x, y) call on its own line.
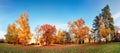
point(96, 25)
point(108, 20)
point(107, 17)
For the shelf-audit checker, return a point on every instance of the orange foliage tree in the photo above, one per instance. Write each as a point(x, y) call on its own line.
point(24, 34)
point(48, 31)
point(79, 29)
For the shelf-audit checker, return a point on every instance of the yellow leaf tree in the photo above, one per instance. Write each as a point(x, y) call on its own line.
point(103, 32)
point(63, 37)
point(24, 34)
point(60, 37)
point(11, 35)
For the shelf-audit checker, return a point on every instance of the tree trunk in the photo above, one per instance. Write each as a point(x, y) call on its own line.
point(89, 40)
point(94, 40)
point(106, 41)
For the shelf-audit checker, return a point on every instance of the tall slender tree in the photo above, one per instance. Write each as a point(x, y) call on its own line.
point(24, 34)
point(107, 17)
point(108, 20)
point(97, 23)
point(104, 24)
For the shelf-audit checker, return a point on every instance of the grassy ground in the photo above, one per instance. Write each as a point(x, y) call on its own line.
point(82, 48)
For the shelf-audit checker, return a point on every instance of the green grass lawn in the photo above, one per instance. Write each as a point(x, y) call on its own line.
point(82, 48)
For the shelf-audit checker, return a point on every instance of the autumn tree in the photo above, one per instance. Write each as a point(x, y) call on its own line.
point(104, 24)
point(60, 37)
point(55, 40)
point(63, 37)
point(108, 19)
point(79, 29)
point(67, 37)
point(105, 33)
point(48, 31)
point(12, 34)
point(96, 25)
point(102, 31)
point(24, 34)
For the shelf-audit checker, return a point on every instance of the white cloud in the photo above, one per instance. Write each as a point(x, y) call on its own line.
point(33, 32)
point(117, 18)
point(61, 26)
point(2, 33)
point(117, 15)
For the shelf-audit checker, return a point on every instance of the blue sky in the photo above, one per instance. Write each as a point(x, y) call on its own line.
point(55, 12)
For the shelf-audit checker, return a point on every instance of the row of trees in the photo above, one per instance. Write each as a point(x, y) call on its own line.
point(46, 34)
point(103, 27)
